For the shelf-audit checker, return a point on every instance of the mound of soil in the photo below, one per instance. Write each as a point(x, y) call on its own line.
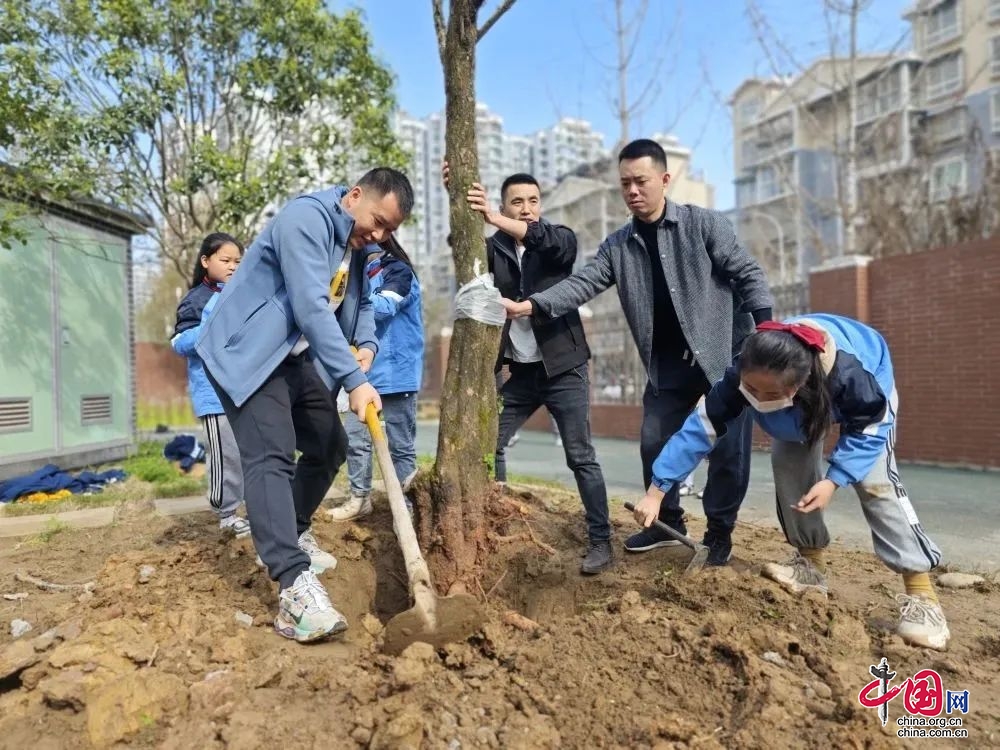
point(160, 652)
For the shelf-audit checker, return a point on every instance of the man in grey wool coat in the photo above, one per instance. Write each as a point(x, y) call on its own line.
point(691, 293)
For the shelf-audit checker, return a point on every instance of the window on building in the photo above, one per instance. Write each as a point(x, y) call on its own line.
point(994, 10)
point(944, 75)
point(949, 126)
point(995, 57)
point(948, 179)
point(995, 111)
point(867, 101)
point(942, 23)
point(879, 96)
point(889, 91)
point(767, 183)
point(748, 111)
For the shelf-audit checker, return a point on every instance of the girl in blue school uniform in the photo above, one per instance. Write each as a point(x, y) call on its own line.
point(800, 377)
point(217, 260)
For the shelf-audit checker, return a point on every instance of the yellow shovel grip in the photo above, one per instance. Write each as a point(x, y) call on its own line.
point(374, 425)
point(371, 414)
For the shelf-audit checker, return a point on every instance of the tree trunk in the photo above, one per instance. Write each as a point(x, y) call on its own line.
point(452, 526)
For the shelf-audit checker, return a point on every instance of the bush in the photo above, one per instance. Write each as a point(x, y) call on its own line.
point(155, 469)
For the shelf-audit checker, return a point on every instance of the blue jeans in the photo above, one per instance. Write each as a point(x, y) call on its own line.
point(399, 412)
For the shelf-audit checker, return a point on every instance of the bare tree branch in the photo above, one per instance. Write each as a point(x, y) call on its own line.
point(497, 14)
point(440, 28)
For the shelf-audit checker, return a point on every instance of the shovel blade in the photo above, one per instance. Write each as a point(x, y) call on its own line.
point(697, 561)
point(454, 618)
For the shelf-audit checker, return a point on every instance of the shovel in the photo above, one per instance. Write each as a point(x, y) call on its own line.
point(432, 619)
point(700, 550)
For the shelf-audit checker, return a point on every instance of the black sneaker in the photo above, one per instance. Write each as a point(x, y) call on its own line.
point(653, 538)
point(599, 557)
point(720, 547)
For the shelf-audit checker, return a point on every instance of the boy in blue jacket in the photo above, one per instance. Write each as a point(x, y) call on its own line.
point(278, 342)
point(798, 378)
point(396, 375)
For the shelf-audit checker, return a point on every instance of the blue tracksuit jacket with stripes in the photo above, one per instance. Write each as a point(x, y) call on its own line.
point(862, 389)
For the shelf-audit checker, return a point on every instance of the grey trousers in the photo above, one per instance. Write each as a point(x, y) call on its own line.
point(225, 472)
point(897, 537)
point(292, 410)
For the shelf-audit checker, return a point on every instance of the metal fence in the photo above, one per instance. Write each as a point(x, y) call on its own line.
point(790, 299)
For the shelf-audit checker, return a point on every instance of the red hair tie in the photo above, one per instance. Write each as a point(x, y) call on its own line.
point(809, 336)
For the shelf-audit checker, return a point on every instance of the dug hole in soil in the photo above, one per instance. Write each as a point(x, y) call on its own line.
point(638, 657)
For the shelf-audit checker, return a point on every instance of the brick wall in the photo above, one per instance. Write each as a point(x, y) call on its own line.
point(160, 374)
point(606, 420)
point(842, 288)
point(939, 311)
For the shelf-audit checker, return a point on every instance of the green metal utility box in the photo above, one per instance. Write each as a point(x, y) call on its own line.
point(66, 339)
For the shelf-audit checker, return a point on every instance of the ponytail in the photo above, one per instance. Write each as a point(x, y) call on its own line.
point(391, 245)
point(814, 400)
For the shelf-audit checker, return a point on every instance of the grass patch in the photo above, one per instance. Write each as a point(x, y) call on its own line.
point(53, 527)
point(425, 463)
point(180, 487)
point(113, 494)
point(150, 476)
point(153, 469)
point(174, 413)
point(149, 465)
point(515, 478)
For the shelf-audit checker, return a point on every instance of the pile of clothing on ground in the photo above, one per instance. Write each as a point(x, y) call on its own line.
point(186, 450)
point(50, 483)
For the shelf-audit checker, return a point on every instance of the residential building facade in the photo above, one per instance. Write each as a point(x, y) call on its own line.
point(548, 155)
point(923, 122)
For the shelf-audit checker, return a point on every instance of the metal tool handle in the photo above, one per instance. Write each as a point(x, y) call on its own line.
point(674, 533)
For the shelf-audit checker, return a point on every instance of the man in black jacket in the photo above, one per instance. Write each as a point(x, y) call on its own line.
point(547, 357)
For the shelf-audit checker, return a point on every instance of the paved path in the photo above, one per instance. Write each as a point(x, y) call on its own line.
point(960, 510)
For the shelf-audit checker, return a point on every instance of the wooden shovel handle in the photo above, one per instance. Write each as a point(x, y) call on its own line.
point(373, 422)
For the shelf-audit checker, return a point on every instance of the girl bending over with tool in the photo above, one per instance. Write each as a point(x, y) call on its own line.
point(800, 377)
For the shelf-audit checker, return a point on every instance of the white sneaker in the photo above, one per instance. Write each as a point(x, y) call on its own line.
point(798, 575)
point(238, 527)
point(922, 623)
point(685, 490)
point(305, 612)
point(319, 559)
point(356, 506)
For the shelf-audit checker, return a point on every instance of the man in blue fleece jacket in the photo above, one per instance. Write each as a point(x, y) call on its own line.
point(278, 342)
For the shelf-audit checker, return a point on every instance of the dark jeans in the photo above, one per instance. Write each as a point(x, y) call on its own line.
point(292, 410)
point(663, 414)
point(567, 398)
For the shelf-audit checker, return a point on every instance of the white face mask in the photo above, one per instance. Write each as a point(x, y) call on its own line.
point(766, 407)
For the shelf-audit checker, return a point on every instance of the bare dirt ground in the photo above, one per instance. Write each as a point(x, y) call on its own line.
point(639, 657)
